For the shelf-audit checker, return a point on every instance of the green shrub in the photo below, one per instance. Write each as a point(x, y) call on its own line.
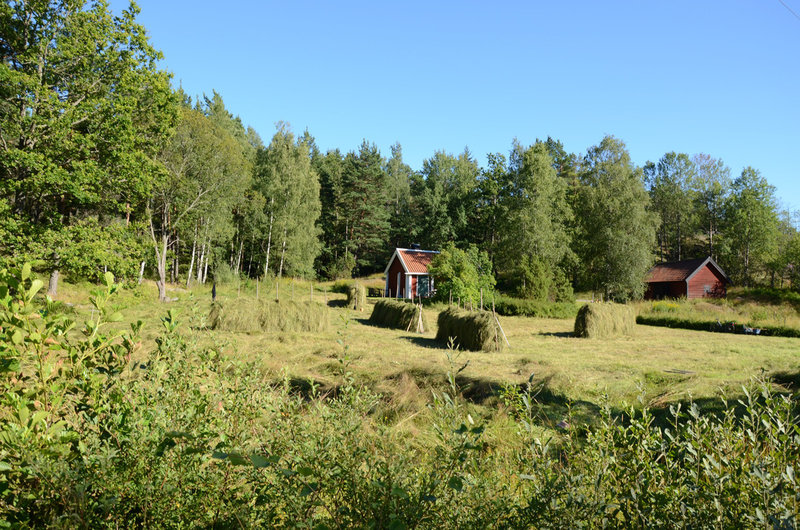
point(375, 292)
point(470, 330)
point(505, 305)
point(604, 320)
point(341, 286)
point(356, 297)
point(714, 325)
point(664, 307)
point(399, 315)
point(255, 316)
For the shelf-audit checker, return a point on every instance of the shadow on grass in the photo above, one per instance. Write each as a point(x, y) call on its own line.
point(562, 334)
point(337, 303)
point(425, 342)
point(788, 380)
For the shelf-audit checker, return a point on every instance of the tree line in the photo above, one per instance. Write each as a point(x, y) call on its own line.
point(107, 167)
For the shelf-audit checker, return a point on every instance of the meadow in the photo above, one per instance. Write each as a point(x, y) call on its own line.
point(653, 366)
point(171, 424)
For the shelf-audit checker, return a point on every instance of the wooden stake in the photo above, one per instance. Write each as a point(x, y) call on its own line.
point(501, 328)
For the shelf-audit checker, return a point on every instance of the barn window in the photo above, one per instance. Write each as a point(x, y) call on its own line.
point(707, 289)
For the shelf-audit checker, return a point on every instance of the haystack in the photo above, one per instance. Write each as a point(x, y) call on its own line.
point(356, 297)
point(470, 330)
point(255, 316)
point(605, 320)
point(399, 315)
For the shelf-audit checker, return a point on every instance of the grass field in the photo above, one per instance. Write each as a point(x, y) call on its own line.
point(356, 423)
point(654, 366)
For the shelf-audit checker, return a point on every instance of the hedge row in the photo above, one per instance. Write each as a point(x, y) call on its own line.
point(715, 326)
point(534, 308)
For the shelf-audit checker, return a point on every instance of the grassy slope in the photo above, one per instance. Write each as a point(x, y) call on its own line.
point(663, 365)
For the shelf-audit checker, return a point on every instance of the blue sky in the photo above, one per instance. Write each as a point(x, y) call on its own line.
point(718, 77)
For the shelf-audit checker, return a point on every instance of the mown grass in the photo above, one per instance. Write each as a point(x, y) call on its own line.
point(658, 366)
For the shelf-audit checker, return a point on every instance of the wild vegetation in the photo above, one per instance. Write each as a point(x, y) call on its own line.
point(99, 428)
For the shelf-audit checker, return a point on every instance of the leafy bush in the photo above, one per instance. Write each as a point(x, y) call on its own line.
point(462, 275)
point(508, 306)
point(664, 307)
point(715, 325)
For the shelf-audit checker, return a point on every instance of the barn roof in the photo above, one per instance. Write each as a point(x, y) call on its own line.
point(678, 271)
point(413, 261)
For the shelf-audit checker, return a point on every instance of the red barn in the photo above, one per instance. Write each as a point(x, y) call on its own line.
point(407, 273)
point(692, 278)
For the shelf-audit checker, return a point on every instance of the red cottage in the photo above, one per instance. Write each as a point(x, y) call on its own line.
point(407, 273)
point(692, 278)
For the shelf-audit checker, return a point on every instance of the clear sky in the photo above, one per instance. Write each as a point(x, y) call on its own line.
point(718, 77)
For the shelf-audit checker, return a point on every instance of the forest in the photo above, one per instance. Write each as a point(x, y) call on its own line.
point(108, 167)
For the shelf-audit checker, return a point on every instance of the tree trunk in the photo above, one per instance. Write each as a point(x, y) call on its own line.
point(239, 256)
point(205, 269)
point(52, 285)
point(283, 253)
point(269, 237)
point(141, 272)
point(191, 262)
point(200, 263)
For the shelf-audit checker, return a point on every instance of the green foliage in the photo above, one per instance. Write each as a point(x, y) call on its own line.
point(604, 320)
point(399, 315)
point(255, 316)
point(533, 278)
point(669, 321)
point(617, 231)
point(469, 330)
point(505, 305)
point(356, 296)
point(190, 438)
point(84, 109)
point(751, 225)
point(462, 275)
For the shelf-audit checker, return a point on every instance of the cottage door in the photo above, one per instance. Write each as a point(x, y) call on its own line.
point(423, 286)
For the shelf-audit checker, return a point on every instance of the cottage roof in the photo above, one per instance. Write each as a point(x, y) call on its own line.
point(413, 261)
point(677, 271)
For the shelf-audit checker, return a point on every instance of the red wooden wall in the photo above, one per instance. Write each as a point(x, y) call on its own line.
point(707, 283)
point(393, 270)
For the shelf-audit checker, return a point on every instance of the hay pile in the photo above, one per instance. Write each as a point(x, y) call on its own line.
point(356, 297)
point(470, 330)
point(604, 320)
point(399, 315)
point(255, 316)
